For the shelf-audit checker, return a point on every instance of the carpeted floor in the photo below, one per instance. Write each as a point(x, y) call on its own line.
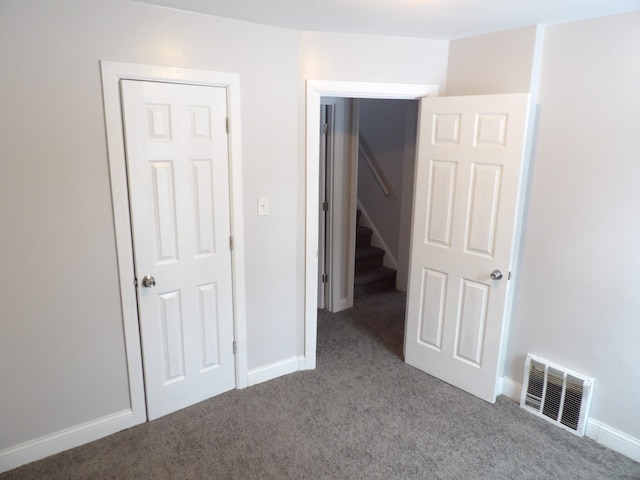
point(362, 414)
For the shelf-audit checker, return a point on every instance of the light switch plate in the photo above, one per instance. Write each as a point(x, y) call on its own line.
point(263, 206)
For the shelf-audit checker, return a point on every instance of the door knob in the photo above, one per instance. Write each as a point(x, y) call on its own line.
point(495, 275)
point(148, 281)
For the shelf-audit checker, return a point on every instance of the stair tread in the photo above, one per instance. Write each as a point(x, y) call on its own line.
point(363, 236)
point(368, 252)
point(374, 275)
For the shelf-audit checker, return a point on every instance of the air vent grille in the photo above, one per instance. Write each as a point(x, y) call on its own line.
point(557, 394)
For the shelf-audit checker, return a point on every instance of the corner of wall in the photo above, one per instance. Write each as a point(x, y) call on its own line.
point(596, 430)
point(614, 439)
point(275, 370)
point(491, 63)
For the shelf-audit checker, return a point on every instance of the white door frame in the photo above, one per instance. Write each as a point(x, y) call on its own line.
point(337, 247)
point(112, 73)
point(315, 90)
point(323, 231)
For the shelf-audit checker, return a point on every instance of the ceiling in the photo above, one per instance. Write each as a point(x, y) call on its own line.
point(436, 19)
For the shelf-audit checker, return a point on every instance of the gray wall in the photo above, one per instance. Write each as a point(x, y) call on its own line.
point(62, 356)
point(389, 129)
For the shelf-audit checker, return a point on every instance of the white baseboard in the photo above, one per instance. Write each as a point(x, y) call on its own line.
point(274, 370)
point(598, 431)
point(27, 452)
point(614, 439)
point(302, 363)
point(42, 447)
point(511, 389)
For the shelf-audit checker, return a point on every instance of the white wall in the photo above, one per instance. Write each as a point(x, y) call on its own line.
point(499, 62)
point(576, 300)
point(62, 356)
point(578, 292)
point(370, 58)
point(62, 359)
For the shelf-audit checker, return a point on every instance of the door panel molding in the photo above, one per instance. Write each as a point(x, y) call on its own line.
point(112, 73)
point(465, 225)
point(169, 206)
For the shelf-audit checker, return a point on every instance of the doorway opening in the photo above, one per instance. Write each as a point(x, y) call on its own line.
point(315, 91)
point(465, 223)
point(366, 162)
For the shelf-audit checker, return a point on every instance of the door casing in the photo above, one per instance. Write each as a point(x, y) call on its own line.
point(326, 152)
point(337, 247)
point(112, 74)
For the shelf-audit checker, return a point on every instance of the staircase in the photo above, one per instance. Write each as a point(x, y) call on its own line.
point(370, 275)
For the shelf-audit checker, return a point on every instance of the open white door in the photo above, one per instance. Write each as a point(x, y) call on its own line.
point(469, 165)
point(341, 147)
point(178, 169)
point(326, 121)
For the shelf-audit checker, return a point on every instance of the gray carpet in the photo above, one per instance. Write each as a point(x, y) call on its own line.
point(362, 414)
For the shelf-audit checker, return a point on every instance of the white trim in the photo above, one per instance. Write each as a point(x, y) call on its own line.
point(42, 447)
point(112, 74)
point(614, 439)
point(400, 91)
point(596, 430)
point(274, 370)
point(536, 64)
point(315, 90)
point(510, 389)
point(340, 168)
point(301, 362)
point(363, 151)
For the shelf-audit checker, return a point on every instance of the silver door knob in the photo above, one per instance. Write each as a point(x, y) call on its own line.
point(148, 281)
point(495, 275)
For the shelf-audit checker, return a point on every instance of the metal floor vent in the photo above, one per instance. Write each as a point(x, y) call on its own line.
point(556, 394)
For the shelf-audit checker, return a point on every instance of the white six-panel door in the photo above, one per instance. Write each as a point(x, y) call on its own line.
point(178, 169)
point(469, 165)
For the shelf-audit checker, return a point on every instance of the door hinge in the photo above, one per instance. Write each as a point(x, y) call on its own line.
point(325, 206)
point(226, 124)
point(135, 282)
point(325, 128)
point(509, 277)
point(325, 278)
point(235, 347)
point(230, 242)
